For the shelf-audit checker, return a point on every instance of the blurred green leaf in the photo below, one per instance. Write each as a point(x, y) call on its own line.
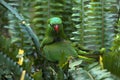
point(38, 75)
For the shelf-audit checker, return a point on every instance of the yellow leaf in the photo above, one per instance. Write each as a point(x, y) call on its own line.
point(21, 51)
point(23, 75)
point(101, 62)
point(20, 61)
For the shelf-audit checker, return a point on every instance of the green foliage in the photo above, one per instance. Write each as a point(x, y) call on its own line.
point(66, 17)
point(111, 59)
point(109, 13)
point(76, 21)
point(10, 70)
point(93, 24)
point(39, 17)
point(3, 21)
point(19, 39)
point(19, 36)
point(91, 72)
point(5, 47)
point(94, 21)
point(38, 75)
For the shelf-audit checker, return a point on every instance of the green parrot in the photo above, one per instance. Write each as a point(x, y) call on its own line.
point(55, 45)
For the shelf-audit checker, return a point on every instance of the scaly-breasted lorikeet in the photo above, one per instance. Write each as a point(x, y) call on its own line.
point(55, 44)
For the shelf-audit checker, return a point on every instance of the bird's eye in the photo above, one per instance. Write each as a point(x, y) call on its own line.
point(52, 25)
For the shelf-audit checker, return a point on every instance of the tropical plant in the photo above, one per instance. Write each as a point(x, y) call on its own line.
point(91, 72)
point(93, 24)
point(113, 56)
point(10, 70)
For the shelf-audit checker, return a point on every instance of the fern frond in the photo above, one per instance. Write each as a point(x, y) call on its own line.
point(76, 21)
point(10, 69)
point(111, 59)
point(94, 21)
point(91, 72)
point(66, 17)
point(18, 33)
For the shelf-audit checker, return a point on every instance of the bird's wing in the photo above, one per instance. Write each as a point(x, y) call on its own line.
point(46, 40)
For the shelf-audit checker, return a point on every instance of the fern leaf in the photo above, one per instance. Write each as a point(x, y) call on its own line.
point(91, 72)
point(10, 68)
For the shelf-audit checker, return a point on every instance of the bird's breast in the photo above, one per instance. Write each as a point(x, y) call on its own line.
point(53, 51)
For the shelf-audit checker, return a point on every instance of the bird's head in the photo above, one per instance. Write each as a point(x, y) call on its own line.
point(55, 28)
point(55, 23)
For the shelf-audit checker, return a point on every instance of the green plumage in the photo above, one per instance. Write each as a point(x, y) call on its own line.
point(55, 44)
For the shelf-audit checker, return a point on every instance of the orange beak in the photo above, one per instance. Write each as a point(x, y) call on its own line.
point(56, 28)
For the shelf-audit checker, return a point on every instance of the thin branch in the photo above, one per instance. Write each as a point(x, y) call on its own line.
point(23, 24)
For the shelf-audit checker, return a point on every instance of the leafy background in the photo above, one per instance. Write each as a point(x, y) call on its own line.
point(92, 26)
